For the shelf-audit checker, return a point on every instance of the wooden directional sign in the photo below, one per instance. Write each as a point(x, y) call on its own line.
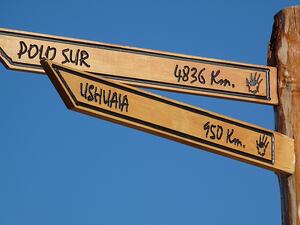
point(142, 67)
point(123, 104)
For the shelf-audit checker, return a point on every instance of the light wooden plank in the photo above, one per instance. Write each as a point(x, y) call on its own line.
point(21, 50)
point(125, 105)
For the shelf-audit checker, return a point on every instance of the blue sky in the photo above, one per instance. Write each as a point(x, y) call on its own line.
point(59, 167)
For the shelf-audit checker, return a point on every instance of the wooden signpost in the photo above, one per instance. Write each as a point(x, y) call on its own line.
point(123, 104)
point(21, 50)
point(103, 91)
point(284, 52)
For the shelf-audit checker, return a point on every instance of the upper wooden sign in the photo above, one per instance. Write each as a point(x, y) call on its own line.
point(142, 67)
point(123, 104)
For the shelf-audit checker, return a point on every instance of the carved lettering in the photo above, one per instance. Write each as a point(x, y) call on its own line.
point(219, 81)
point(23, 49)
point(110, 98)
point(188, 74)
point(74, 56)
point(215, 132)
point(49, 51)
point(64, 51)
point(233, 140)
point(71, 56)
point(33, 51)
point(36, 51)
point(83, 56)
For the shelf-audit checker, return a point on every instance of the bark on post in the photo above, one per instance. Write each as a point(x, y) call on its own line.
point(284, 52)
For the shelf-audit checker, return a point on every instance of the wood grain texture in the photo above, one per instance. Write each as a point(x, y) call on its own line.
point(284, 52)
point(132, 107)
point(21, 50)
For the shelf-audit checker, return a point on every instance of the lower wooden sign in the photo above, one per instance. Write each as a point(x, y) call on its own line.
point(119, 103)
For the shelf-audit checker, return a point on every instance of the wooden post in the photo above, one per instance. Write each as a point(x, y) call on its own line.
point(284, 52)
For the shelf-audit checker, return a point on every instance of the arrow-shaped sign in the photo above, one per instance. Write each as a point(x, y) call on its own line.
point(123, 104)
point(21, 50)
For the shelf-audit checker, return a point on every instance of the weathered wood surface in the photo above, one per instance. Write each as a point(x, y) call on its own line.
point(123, 104)
point(21, 50)
point(284, 52)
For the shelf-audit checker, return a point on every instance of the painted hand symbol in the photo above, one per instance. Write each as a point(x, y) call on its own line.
point(262, 144)
point(254, 82)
